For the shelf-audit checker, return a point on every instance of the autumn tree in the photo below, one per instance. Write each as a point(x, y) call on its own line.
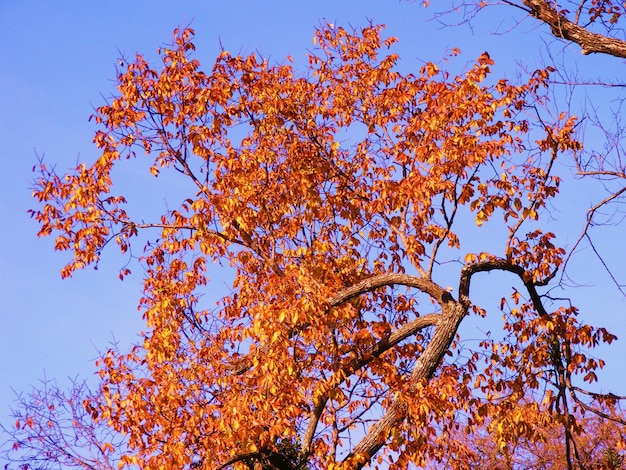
point(341, 201)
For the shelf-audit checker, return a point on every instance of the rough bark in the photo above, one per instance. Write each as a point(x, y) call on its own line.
point(452, 314)
point(382, 346)
point(390, 279)
point(563, 28)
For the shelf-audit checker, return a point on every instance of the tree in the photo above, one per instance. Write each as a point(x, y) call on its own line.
point(339, 201)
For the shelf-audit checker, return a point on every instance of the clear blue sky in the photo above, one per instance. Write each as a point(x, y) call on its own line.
point(57, 63)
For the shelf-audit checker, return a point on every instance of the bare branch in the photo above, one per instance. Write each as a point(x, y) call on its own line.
point(585, 233)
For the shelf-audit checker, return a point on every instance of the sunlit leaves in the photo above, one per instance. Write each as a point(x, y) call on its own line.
point(331, 198)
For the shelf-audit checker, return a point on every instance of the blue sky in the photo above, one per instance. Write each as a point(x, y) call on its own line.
point(58, 62)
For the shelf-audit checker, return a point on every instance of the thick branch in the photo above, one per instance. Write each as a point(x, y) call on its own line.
point(426, 365)
point(563, 28)
point(499, 264)
point(385, 344)
point(363, 287)
point(382, 280)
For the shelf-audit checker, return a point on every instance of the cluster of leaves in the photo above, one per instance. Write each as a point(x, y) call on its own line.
point(332, 197)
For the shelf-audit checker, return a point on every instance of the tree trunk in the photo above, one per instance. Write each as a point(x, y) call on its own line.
point(452, 314)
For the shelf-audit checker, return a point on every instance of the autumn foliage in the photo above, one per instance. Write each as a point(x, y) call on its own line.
point(598, 445)
point(335, 201)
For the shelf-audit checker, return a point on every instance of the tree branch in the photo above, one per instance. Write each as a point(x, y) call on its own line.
point(563, 28)
point(450, 318)
point(385, 344)
point(382, 280)
point(585, 234)
point(363, 287)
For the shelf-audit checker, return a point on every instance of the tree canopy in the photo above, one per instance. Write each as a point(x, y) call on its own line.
point(339, 200)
